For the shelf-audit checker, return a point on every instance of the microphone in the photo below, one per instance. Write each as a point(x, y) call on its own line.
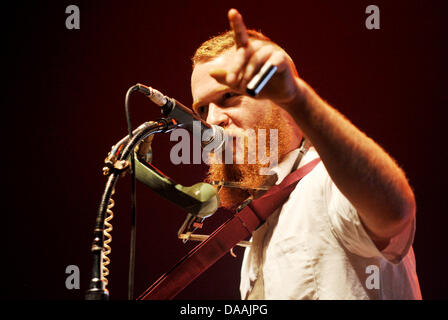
point(212, 136)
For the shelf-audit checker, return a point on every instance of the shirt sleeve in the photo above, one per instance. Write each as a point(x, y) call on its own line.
point(349, 230)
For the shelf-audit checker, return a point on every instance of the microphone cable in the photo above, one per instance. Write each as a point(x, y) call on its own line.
point(133, 201)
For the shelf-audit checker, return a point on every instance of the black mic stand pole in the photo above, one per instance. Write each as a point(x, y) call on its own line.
point(97, 289)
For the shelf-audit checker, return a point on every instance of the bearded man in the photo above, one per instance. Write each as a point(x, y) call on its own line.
point(352, 217)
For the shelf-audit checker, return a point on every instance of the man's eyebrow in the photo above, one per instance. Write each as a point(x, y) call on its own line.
point(219, 91)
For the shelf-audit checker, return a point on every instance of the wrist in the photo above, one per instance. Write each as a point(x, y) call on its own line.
point(299, 98)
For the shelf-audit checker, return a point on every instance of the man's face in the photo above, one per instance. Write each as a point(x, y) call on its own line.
point(219, 105)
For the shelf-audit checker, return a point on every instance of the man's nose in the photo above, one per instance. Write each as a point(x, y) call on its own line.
point(217, 115)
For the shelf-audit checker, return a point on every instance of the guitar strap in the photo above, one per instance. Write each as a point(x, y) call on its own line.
point(237, 228)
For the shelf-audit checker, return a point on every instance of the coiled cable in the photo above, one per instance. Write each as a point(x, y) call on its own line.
point(108, 238)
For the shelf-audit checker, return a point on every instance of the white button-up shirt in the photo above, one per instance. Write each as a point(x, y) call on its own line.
point(315, 247)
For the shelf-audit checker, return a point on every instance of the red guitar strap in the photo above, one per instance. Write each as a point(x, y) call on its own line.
point(237, 228)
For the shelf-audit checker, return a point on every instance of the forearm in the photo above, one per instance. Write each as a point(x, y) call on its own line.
point(359, 167)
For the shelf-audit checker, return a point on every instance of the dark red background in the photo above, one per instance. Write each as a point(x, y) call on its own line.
point(64, 109)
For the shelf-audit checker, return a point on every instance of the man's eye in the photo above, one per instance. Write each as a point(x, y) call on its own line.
point(229, 95)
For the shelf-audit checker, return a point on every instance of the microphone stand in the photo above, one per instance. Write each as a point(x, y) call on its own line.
point(97, 289)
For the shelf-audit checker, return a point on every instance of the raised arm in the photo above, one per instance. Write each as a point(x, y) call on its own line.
point(361, 169)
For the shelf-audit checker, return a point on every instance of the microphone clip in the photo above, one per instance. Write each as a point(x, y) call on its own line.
point(111, 164)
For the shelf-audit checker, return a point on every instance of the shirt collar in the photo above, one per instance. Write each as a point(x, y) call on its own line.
point(285, 167)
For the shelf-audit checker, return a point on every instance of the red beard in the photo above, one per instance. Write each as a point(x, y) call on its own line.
point(247, 174)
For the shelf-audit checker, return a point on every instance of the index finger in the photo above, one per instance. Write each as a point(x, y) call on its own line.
point(238, 27)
